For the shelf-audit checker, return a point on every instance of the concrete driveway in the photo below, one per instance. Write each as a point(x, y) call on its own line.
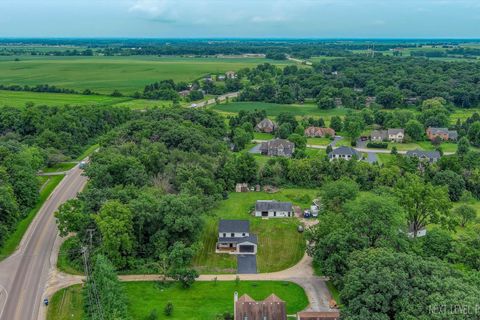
point(246, 264)
point(255, 149)
point(371, 157)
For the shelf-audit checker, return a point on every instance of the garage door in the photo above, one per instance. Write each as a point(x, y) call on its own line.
point(246, 248)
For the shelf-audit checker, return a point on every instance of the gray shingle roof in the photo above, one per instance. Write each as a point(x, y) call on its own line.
point(379, 134)
point(272, 205)
point(438, 130)
point(251, 238)
point(453, 134)
point(395, 131)
point(344, 151)
point(234, 226)
point(424, 154)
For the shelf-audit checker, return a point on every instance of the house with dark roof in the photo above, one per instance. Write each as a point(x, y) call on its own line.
point(234, 237)
point(272, 308)
point(278, 148)
point(266, 126)
point(273, 209)
point(430, 156)
point(442, 133)
point(346, 153)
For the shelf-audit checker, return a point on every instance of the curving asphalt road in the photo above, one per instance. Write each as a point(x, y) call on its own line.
point(23, 275)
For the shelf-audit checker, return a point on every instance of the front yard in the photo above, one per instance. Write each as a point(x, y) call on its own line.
point(203, 301)
point(280, 246)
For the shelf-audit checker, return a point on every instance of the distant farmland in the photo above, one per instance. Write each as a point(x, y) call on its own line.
point(105, 74)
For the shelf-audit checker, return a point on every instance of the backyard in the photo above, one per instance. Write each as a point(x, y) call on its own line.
point(280, 246)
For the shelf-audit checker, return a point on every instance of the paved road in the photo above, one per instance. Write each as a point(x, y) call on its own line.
point(23, 275)
point(214, 100)
point(372, 157)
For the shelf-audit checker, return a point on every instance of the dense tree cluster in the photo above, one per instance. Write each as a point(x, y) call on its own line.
point(354, 81)
point(60, 131)
point(150, 184)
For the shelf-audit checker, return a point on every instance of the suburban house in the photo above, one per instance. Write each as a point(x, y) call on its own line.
point(266, 126)
point(184, 93)
point(273, 209)
point(392, 135)
point(422, 232)
point(442, 133)
point(318, 315)
point(230, 74)
point(234, 237)
point(221, 78)
point(319, 132)
point(272, 308)
point(278, 148)
point(346, 153)
point(431, 156)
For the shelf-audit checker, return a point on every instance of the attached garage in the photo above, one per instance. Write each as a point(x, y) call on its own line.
point(246, 248)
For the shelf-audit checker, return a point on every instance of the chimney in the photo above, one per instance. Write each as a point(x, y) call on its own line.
point(235, 299)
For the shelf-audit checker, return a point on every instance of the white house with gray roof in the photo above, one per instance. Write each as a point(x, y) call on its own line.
point(392, 135)
point(234, 237)
point(430, 156)
point(273, 209)
point(345, 153)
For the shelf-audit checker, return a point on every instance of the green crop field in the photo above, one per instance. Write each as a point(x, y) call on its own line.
point(105, 74)
point(21, 98)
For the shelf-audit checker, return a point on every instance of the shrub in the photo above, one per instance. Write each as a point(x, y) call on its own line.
point(168, 309)
point(377, 145)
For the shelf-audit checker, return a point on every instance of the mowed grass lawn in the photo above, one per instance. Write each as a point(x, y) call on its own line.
point(104, 74)
point(67, 304)
point(206, 300)
point(280, 246)
point(273, 109)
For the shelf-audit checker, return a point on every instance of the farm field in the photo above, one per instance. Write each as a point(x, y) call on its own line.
point(21, 98)
point(105, 74)
point(280, 246)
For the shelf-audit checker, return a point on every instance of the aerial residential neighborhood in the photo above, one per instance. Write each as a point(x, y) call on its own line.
point(239, 160)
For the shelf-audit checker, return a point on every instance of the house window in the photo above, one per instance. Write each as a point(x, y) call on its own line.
point(232, 235)
point(274, 213)
point(224, 235)
point(243, 234)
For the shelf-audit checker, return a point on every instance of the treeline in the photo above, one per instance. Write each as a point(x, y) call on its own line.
point(359, 81)
point(19, 186)
point(37, 88)
point(61, 132)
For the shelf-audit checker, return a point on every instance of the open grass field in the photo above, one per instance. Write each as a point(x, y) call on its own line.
point(206, 300)
point(59, 167)
point(280, 246)
point(67, 304)
point(273, 109)
point(105, 74)
point(12, 242)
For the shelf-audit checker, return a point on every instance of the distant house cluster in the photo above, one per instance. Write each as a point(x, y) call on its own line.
point(273, 209)
point(278, 148)
point(442, 133)
point(315, 132)
point(345, 153)
point(392, 135)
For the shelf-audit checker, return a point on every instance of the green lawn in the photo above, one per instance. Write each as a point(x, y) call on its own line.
point(67, 304)
point(206, 300)
point(319, 141)
point(424, 145)
point(104, 74)
point(262, 136)
point(384, 158)
point(273, 109)
point(87, 152)
point(279, 244)
point(12, 242)
point(59, 167)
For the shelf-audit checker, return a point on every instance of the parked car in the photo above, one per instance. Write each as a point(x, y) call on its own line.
point(82, 165)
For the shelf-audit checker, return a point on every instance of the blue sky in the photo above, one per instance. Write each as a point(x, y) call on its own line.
point(241, 18)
